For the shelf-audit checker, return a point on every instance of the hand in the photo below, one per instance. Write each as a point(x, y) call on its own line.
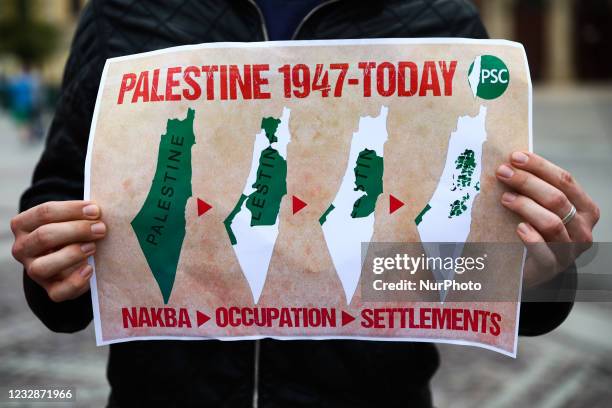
point(543, 195)
point(53, 241)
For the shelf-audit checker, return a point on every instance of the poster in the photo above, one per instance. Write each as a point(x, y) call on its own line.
point(249, 189)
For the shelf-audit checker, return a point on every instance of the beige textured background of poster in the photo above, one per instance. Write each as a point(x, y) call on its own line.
point(301, 272)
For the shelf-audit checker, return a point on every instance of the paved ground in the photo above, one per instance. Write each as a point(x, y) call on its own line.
point(571, 367)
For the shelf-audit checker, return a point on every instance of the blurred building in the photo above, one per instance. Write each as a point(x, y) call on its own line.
point(62, 14)
point(566, 40)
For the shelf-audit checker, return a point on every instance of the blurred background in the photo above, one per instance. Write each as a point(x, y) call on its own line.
point(569, 45)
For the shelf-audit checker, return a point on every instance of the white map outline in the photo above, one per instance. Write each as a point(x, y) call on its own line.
point(345, 235)
point(255, 244)
point(436, 227)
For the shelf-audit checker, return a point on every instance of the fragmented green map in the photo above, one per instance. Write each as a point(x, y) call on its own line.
point(160, 223)
point(349, 220)
point(252, 226)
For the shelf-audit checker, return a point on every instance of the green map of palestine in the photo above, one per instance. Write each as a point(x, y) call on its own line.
point(270, 185)
point(160, 223)
point(368, 178)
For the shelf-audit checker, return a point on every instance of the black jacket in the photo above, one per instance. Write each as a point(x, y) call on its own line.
point(225, 374)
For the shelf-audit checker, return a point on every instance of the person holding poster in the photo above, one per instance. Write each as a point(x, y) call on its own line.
point(57, 230)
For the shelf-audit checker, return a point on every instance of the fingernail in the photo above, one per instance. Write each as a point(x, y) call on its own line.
point(91, 210)
point(508, 197)
point(519, 157)
point(505, 171)
point(86, 271)
point(524, 228)
point(88, 247)
point(98, 228)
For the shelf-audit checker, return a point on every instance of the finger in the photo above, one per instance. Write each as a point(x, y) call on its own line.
point(547, 254)
point(45, 283)
point(47, 266)
point(556, 176)
point(544, 260)
point(545, 194)
point(528, 234)
point(54, 212)
point(547, 224)
point(57, 235)
point(71, 287)
point(69, 271)
point(542, 192)
point(540, 263)
point(553, 257)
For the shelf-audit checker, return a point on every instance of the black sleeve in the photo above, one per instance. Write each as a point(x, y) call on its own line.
point(444, 18)
point(546, 306)
point(468, 24)
point(59, 173)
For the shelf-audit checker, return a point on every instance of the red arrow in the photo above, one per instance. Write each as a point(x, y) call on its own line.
point(298, 205)
point(346, 318)
point(201, 318)
point(394, 204)
point(203, 206)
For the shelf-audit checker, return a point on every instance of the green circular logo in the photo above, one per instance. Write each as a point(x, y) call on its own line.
point(488, 77)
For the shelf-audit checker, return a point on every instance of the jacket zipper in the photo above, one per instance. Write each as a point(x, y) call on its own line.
point(310, 14)
point(256, 374)
point(264, 30)
point(262, 20)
